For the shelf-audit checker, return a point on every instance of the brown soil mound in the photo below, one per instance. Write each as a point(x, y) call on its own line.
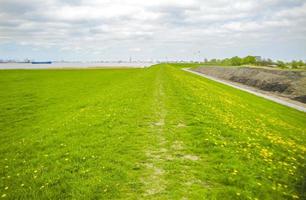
point(289, 84)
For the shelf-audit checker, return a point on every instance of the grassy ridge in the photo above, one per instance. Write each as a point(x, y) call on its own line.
point(156, 133)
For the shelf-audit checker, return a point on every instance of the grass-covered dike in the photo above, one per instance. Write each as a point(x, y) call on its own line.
point(153, 133)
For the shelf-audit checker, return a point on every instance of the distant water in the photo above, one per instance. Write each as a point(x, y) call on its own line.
point(56, 65)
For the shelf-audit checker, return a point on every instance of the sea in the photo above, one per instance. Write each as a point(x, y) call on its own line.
point(64, 65)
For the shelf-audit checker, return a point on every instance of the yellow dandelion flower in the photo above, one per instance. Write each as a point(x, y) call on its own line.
point(235, 172)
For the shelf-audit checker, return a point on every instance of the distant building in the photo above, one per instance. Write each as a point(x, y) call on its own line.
point(27, 60)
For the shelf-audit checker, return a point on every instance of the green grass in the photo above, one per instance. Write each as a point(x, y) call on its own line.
point(155, 133)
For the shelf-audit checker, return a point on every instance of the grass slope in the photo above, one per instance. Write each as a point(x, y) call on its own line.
point(156, 133)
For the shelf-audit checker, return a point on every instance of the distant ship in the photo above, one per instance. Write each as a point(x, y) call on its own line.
point(42, 62)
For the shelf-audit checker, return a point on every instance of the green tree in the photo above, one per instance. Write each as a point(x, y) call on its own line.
point(249, 60)
point(294, 64)
point(281, 64)
point(236, 61)
point(300, 63)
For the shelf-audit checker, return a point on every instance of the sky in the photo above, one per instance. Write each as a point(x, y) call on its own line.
point(152, 29)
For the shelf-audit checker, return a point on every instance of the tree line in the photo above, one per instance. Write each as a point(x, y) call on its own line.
point(257, 61)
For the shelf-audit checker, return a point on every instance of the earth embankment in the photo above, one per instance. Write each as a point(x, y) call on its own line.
point(284, 83)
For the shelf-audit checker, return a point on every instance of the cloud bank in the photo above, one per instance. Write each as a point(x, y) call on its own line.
point(160, 29)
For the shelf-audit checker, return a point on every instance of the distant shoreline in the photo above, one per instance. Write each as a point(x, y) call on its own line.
point(72, 65)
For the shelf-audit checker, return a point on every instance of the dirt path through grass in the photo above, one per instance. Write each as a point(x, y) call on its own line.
point(167, 151)
point(155, 182)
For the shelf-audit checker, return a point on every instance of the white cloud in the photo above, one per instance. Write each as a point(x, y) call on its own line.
point(136, 49)
point(83, 25)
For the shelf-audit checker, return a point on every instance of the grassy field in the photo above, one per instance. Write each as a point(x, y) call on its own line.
point(155, 133)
